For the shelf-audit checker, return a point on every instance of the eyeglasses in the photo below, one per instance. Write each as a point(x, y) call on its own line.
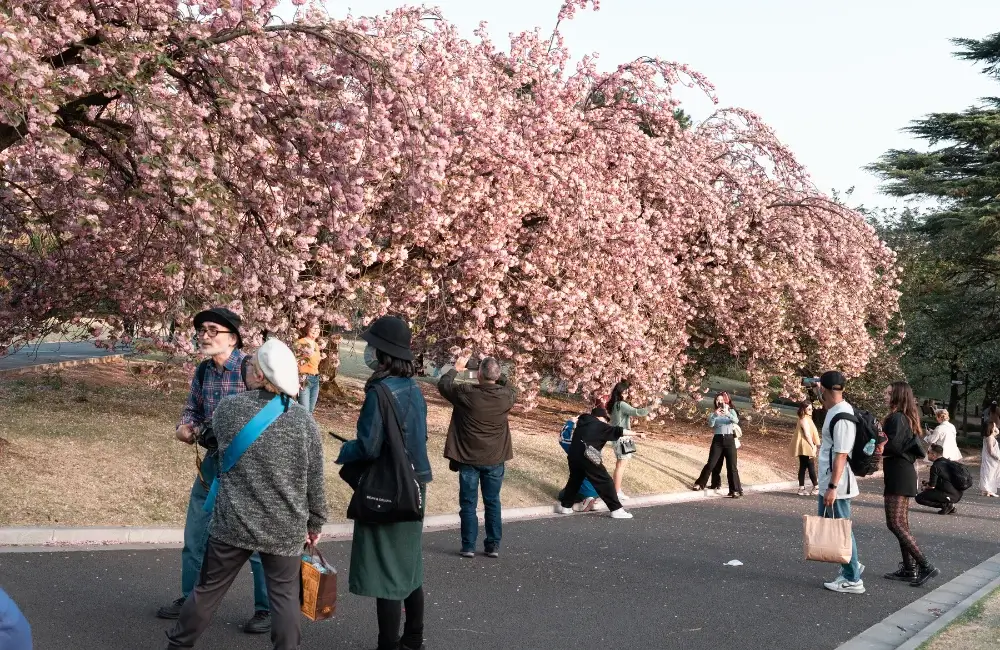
point(212, 332)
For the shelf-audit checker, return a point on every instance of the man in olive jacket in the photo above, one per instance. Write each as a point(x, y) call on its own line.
point(478, 446)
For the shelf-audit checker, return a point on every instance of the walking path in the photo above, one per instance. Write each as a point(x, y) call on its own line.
point(581, 581)
point(55, 353)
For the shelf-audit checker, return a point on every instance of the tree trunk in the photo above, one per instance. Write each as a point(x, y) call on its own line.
point(328, 368)
point(953, 397)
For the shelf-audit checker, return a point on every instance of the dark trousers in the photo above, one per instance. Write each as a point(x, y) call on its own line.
point(723, 447)
point(939, 497)
point(579, 469)
point(389, 616)
point(807, 463)
point(221, 566)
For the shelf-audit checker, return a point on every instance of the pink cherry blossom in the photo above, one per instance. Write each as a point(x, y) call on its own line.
point(158, 158)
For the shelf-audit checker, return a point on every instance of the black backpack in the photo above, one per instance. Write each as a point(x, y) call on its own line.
point(869, 441)
point(387, 490)
point(961, 478)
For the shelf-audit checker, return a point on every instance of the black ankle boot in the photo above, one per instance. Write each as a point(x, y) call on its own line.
point(925, 573)
point(903, 574)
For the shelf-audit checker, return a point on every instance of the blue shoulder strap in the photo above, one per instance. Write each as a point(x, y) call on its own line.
point(246, 437)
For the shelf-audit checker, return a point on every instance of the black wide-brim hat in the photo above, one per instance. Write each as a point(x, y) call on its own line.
point(221, 316)
point(391, 335)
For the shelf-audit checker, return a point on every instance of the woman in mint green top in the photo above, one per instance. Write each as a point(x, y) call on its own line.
point(621, 416)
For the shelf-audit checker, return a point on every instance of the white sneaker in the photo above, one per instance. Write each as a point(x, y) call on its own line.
point(622, 496)
point(814, 491)
point(585, 506)
point(717, 492)
point(599, 505)
point(621, 513)
point(802, 491)
point(844, 586)
point(560, 510)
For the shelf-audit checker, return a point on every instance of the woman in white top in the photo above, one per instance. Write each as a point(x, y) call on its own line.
point(944, 434)
point(989, 466)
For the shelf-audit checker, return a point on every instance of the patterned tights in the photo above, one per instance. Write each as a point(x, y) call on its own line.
point(897, 518)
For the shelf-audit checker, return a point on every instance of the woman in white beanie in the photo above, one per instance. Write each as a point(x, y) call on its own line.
point(270, 500)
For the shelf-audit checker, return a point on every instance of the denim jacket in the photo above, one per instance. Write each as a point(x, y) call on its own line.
point(412, 413)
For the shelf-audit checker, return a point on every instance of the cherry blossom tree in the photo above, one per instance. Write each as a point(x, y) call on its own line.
point(156, 158)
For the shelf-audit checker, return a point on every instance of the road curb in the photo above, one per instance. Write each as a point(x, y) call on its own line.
point(915, 624)
point(114, 537)
point(60, 364)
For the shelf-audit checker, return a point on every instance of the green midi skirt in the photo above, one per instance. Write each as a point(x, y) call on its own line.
point(387, 560)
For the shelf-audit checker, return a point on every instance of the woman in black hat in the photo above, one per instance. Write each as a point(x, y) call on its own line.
point(387, 559)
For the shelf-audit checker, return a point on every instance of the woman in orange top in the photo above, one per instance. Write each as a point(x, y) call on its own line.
point(307, 352)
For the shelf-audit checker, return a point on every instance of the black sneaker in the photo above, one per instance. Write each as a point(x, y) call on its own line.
point(172, 611)
point(924, 574)
point(259, 623)
point(467, 554)
point(903, 574)
point(947, 510)
point(494, 553)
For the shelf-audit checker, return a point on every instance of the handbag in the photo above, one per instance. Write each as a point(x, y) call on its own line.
point(826, 540)
point(917, 448)
point(626, 446)
point(388, 491)
point(593, 454)
point(318, 592)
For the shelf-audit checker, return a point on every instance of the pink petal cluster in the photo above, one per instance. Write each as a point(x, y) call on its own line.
point(158, 157)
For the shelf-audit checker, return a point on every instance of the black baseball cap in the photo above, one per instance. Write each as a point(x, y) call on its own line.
point(599, 412)
point(832, 380)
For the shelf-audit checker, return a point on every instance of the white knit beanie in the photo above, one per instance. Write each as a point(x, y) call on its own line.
point(278, 363)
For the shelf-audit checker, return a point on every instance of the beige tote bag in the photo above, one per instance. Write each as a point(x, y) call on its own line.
point(826, 540)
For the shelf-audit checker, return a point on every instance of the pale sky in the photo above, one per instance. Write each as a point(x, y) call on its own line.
point(837, 80)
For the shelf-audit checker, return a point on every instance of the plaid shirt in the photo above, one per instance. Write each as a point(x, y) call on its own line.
point(205, 397)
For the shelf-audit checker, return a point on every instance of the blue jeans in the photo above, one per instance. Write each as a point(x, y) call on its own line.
point(196, 540)
point(310, 393)
point(842, 510)
point(469, 479)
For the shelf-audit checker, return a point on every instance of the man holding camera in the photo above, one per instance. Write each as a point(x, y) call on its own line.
point(223, 373)
point(478, 445)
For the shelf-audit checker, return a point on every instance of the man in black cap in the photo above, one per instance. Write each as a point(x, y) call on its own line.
point(222, 374)
point(836, 475)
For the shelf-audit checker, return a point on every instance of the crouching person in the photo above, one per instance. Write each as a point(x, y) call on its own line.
point(268, 497)
point(592, 432)
point(939, 491)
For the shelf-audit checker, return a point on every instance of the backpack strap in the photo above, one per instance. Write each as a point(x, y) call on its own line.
point(246, 437)
point(850, 417)
point(202, 371)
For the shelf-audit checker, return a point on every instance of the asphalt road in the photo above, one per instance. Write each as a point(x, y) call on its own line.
point(34, 355)
point(582, 581)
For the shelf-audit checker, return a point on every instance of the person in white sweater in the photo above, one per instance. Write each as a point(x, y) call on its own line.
point(944, 434)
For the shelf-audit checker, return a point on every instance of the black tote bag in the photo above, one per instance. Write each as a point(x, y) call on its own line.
point(387, 491)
